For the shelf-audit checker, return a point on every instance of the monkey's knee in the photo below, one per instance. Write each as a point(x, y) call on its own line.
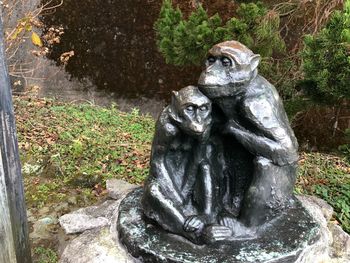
point(155, 198)
point(159, 207)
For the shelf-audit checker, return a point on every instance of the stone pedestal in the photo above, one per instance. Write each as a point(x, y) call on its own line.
point(292, 237)
point(297, 239)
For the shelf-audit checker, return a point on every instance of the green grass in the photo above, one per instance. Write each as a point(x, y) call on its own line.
point(67, 149)
point(328, 177)
point(45, 255)
point(71, 150)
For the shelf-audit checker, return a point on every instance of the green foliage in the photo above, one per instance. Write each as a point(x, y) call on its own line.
point(328, 177)
point(45, 255)
point(326, 59)
point(186, 41)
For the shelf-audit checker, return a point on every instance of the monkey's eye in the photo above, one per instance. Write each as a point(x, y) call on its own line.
point(190, 108)
point(211, 60)
point(226, 62)
point(204, 108)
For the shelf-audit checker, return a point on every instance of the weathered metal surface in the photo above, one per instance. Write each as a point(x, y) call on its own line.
point(14, 245)
point(224, 156)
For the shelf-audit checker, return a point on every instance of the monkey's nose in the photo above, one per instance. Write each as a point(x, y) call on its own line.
point(198, 128)
point(199, 119)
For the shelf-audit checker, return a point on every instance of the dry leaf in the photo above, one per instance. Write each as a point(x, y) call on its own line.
point(36, 40)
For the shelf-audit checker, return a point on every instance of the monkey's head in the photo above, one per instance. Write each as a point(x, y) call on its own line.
point(230, 65)
point(191, 111)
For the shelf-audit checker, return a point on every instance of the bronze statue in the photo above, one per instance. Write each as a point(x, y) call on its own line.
point(223, 167)
point(218, 174)
point(253, 115)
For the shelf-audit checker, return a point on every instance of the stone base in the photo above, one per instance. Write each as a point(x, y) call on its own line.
point(98, 243)
point(292, 237)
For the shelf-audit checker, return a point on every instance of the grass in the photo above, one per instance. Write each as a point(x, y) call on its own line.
point(328, 177)
point(70, 150)
point(67, 149)
point(45, 255)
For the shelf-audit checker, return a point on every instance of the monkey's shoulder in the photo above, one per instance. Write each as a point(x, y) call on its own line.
point(165, 124)
point(261, 89)
point(262, 104)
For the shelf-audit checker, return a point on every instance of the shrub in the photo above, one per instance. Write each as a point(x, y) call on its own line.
point(186, 41)
point(326, 59)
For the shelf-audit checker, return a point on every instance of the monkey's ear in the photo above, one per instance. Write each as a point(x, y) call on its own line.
point(174, 97)
point(174, 115)
point(254, 61)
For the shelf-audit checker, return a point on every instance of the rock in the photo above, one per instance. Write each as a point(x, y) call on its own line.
point(106, 209)
point(62, 208)
point(318, 208)
point(48, 220)
point(73, 200)
point(30, 216)
point(95, 246)
point(44, 210)
point(118, 188)
point(325, 208)
point(89, 217)
point(341, 242)
point(78, 223)
point(42, 229)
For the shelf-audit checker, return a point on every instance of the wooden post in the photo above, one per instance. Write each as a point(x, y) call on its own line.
point(14, 243)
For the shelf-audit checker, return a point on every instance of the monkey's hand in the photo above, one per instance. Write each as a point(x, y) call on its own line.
point(214, 233)
point(195, 224)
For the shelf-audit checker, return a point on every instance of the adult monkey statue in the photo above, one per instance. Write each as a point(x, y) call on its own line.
point(261, 148)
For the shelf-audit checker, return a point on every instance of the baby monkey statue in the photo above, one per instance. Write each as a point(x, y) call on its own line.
point(222, 172)
point(181, 193)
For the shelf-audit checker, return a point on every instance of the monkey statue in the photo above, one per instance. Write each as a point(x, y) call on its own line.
point(181, 191)
point(260, 148)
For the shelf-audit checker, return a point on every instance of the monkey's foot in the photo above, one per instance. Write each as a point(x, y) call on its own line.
point(214, 233)
point(239, 230)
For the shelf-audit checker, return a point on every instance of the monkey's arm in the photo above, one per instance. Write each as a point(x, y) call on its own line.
point(258, 145)
point(273, 138)
point(162, 202)
point(160, 172)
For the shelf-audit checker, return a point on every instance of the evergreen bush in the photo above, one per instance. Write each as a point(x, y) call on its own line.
point(326, 59)
point(186, 41)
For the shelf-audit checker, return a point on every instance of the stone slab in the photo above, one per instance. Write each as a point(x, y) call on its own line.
point(95, 246)
point(89, 218)
point(78, 223)
point(341, 242)
point(118, 188)
point(293, 237)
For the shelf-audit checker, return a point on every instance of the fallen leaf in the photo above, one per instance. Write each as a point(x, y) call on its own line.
point(36, 40)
